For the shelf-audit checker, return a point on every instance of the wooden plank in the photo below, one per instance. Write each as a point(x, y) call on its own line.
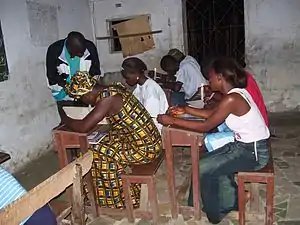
point(77, 216)
point(39, 196)
point(254, 198)
point(129, 35)
point(135, 45)
point(144, 198)
point(63, 215)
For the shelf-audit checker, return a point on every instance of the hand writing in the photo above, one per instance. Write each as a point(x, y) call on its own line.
point(176, 111)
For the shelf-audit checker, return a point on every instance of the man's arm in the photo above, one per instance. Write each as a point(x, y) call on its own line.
point(51, 67)
point(95, 67)
point(174, 86)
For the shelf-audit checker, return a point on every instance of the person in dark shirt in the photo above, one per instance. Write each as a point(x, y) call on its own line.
point(66, 57)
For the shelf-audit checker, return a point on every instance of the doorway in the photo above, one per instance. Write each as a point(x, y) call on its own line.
point(214, 28)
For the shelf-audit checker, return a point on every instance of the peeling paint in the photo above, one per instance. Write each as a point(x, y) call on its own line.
point(27, 110)
point(273, 50)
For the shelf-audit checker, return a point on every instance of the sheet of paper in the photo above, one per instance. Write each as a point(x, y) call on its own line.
point(196, 104)
point(78, 113)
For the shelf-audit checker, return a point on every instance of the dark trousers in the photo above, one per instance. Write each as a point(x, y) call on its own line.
point(43, 216)
point(178, 99)
point(217, 170)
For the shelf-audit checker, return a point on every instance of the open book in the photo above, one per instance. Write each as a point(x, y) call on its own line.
point(196, 104)
point(190, 117)
point(95, 137)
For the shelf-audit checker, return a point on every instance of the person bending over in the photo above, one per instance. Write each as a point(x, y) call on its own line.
point(133, 137)
point(187, 74)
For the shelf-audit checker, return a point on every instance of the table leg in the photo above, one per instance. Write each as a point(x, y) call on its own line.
point(61, 150)
point(170, 173)
point(62, 157)
point(195, 179)
point(84, 145)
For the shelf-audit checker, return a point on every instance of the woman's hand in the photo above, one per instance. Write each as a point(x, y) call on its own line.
point(165, 119)
point(176, 111)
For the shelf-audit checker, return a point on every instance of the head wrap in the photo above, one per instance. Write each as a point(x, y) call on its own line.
point(81, 84)
point(178, 55)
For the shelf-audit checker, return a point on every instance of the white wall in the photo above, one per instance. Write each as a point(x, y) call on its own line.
point(166, 15)
point(28, 112)
point(273, 50)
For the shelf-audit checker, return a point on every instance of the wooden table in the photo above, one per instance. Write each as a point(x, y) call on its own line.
point(4, 157)
point(174, 136)
point(65, 138)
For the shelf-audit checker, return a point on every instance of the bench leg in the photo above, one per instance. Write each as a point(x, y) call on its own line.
point(153, 200)
point(195, 178)
point(254, 198)
point(128, 202)
point(91, 194)
point(241, 200)
point(270, 201)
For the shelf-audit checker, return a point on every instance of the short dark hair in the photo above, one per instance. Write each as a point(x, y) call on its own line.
point(134, 65)
point(77, 39)
point(232, 72)
point(166, 61)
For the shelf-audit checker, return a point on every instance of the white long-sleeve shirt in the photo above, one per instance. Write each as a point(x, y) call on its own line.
point(189, 74)
point(153, 98)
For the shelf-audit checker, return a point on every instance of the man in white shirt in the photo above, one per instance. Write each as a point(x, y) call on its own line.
point(187, 73)
point(147, 91)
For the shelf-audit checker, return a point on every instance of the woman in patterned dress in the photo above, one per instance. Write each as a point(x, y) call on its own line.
point(132, 139)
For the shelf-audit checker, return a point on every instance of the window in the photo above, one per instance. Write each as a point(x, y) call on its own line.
point(114, 43)
point(3, 61)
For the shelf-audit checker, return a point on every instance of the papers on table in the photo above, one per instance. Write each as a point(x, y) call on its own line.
point(189, 117)
point(196, 104)
point(78, 113)
point(95, 137)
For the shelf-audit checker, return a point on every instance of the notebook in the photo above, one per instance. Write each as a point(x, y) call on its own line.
point(95, 137)
point(196, 104)
point(190, 117)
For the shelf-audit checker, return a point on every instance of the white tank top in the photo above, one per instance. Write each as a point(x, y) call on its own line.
point(251, 126)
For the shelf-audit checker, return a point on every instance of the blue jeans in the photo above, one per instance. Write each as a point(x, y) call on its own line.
point(217, 170)
point(178, 98)
point(43, 216)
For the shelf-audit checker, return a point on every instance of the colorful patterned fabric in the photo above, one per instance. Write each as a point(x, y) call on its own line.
point(81, 84)
point(133, 139)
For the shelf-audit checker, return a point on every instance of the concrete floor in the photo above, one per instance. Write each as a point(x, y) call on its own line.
point(286, 153)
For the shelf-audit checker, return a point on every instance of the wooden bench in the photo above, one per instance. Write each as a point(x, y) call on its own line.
point(265, 176)
point(39, 196)
point(144, 174)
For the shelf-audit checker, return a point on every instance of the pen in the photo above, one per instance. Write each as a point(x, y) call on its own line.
point(210, 97)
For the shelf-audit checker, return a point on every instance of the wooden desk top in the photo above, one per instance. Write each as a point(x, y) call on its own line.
point(4, 157)
point(181, 129)
point(64, 128)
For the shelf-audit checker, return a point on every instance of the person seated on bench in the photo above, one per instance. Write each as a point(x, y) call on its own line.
point(224, 135)
point(147, 91)
point(217, 168)
point(187, 73)
point(132, 139)
point(11, 190)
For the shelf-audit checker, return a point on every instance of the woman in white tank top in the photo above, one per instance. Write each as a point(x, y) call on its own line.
point(238, 110)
